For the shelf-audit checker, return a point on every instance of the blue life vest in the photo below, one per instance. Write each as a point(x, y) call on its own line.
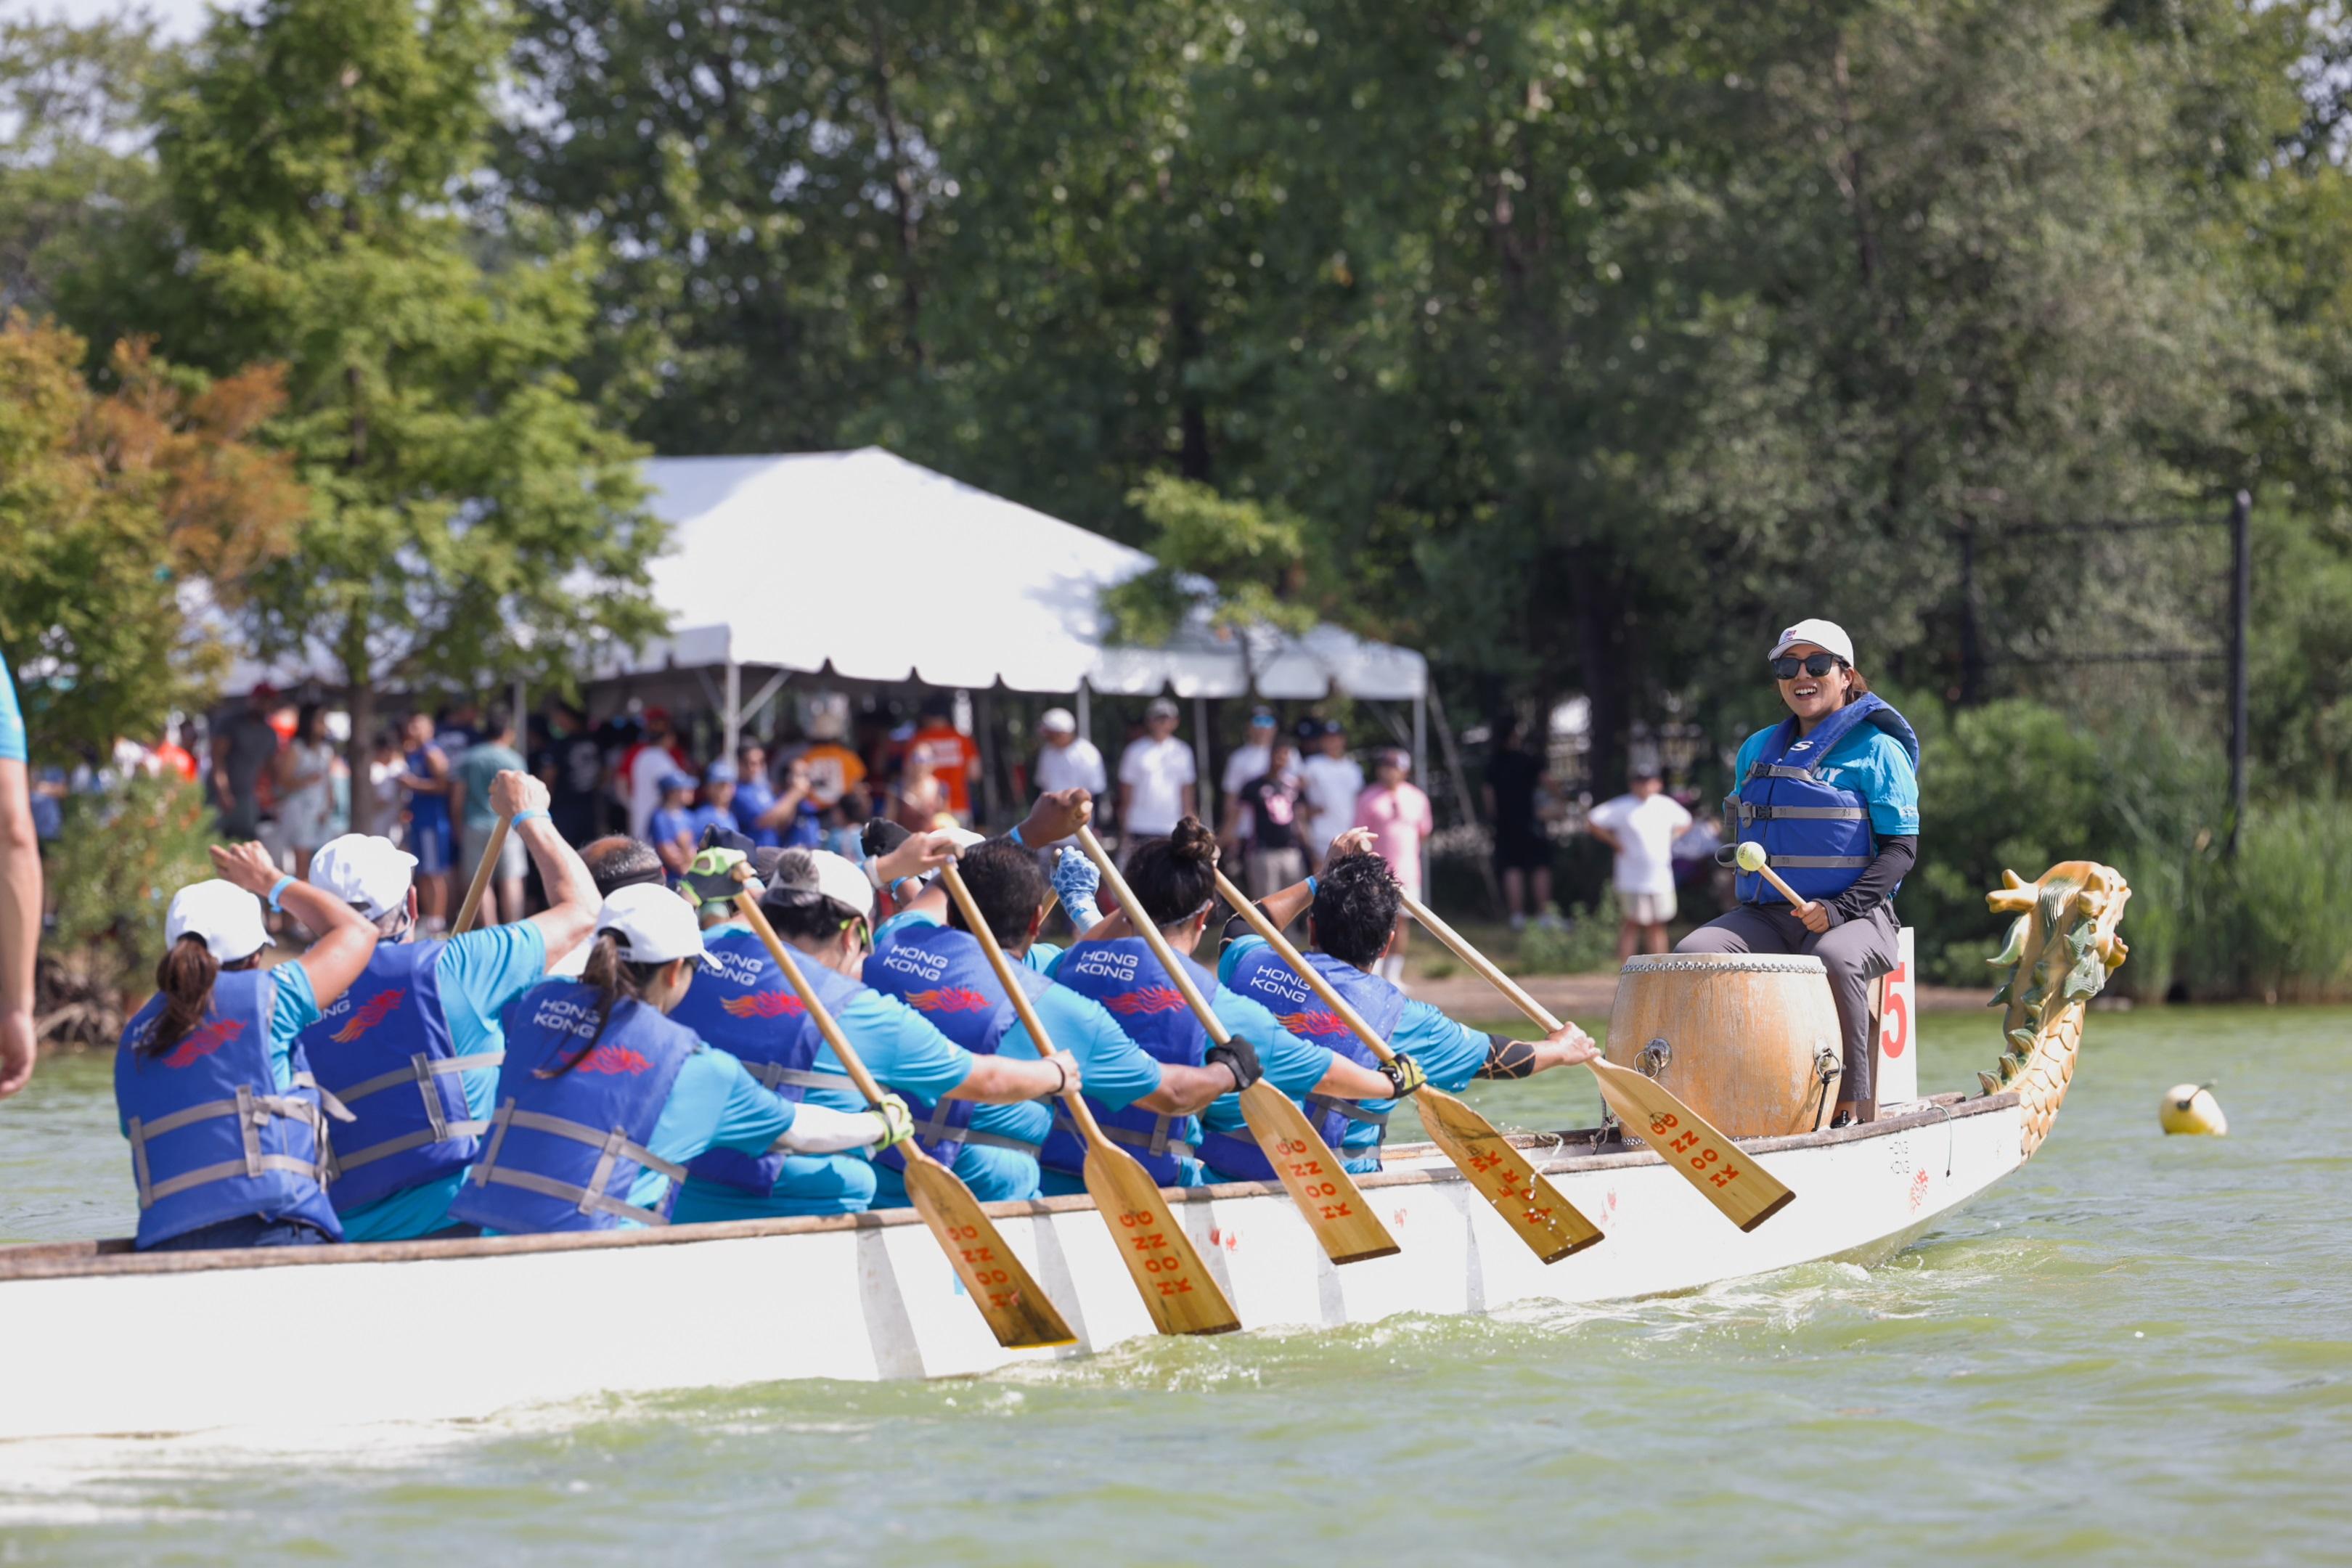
point(944, 975)
point(212, 1138)
point(384, 1050)
point(1261, 974)
point(1817, 833)
point(741, 1003)
point(1126, 979)
point(564, 1150)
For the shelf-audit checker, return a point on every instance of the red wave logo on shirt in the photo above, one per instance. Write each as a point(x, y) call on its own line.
point(948, 999)
point(1313, 1023)
point(1150, 999)
point(378, 1008)
point(203, 1042)
point(763, 1004)
point(614, 1059)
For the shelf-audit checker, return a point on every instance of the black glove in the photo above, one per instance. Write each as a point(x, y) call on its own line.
point(1237, 1057)
point(1404, 1075)
point(717, 837)
point(881, 836)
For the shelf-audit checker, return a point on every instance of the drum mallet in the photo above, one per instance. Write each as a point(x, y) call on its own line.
point(1751, 857)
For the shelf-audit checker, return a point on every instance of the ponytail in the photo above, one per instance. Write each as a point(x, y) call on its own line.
point(616, 981)
point(185, 975)
point(1175, 878)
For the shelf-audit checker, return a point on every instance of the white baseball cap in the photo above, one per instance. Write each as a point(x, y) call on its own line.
point(1058, 722)
point(227, 916)
point(654, 924)
point(1826, 634)
point(369, 872)
point(843, 880)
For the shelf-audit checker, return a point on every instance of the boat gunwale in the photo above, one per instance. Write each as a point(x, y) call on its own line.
point(116, 1255)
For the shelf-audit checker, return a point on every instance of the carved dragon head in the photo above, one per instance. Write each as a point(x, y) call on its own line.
point(2060, 950)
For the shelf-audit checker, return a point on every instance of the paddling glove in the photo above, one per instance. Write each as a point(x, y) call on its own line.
point(1403, 1073)
point(711, 878)
point(1077, 881)
point(1236, 1055)
point(897, 1123)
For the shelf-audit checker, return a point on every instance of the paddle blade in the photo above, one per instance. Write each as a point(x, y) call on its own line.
point(1017, 1311)
point(1550, 1225)
point(1314, 1177)
point(1177, 1288)
point(1747, 1192)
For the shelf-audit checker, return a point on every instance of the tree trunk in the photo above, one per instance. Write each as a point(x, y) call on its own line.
point(358, 754)
point(1595, 601)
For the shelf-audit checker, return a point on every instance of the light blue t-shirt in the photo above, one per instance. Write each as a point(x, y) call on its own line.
point(903, 1050)
point(12, 716)
point(478, 973)
point(1869, 762)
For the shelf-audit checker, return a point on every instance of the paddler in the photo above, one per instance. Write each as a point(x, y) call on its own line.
point(226, 1127)
point(603, 1097)
point(1832, 795)
point(1174, 879)
point(1351, 910)
point(927, 956)
point(413, 1048)
point(822, 907)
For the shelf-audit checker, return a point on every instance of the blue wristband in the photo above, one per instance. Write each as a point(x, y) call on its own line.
point(1311, 889)
point(519, 817)
point(1016, 836)
point(276, 887)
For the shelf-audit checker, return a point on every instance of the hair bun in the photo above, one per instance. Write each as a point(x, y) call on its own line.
point(1191, 840)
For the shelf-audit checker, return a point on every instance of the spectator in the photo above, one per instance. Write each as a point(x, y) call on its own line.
point(791, 819)
point(920, 800)
point(424, 776)
point(1065, 759)
point(670, 829)
point(384, 769)
point(1249, 761)
point(1398, 813)
point(954, 760)
point(1156, 779)
point(1271, 827)
point(20, 896)
point(721, 786)
point(1515, 777)
point(306, 783)
point(1641, 825)
point(457, 729)
point(173, 758)
point(571, 765)
point(477, 818)
point(1333, 783)
point(644, 766)
point(834, 770)
point(243, 747)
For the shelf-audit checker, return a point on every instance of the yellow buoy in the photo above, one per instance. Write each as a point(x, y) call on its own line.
point(2191, 1108)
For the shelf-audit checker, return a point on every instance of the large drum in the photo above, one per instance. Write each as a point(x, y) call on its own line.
point(1750, 1040)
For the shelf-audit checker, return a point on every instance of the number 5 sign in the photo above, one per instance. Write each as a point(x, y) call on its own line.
point(1897, 1077)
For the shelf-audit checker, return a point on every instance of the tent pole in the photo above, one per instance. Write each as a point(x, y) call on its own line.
point(1085, 714)
point(733, 709)
point(1204, 789)
point(984, 721)
point(1462, 789)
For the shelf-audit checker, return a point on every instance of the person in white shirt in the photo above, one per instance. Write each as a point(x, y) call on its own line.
point(1156, 780)
point(1641, 826)
point(1333, 782)
point(1065, 759)
point(1247, 763)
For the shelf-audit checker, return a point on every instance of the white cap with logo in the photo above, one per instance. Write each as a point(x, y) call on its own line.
point(224, 915)
point(369, 872)
point(838, 878)
point(654, 924)
point(1828, 636)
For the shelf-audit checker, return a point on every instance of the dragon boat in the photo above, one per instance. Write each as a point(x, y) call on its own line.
point(871, 1296)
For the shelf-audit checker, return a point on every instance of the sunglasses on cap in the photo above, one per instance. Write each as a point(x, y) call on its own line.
point(1785, 667)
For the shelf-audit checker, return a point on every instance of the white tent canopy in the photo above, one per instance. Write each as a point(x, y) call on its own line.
point(795, 562)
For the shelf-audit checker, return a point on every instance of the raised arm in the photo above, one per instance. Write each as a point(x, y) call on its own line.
point(572, 900)
point(346, 936)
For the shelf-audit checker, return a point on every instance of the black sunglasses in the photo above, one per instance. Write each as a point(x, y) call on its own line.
point(1786, 668)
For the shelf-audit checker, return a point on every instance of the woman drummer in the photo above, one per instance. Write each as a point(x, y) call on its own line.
point(1832, 795)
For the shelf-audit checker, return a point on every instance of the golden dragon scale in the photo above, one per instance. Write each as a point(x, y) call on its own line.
point(2060, 952)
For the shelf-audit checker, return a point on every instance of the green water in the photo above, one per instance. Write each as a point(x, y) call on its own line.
point(2135, 1350)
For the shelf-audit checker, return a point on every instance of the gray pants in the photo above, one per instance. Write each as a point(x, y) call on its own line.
point(1854, 954)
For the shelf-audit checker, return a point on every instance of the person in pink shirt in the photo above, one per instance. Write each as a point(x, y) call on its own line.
point(1398, 813)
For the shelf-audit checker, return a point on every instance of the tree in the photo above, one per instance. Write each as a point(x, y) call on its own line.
point(471, 516)
point(111, 508)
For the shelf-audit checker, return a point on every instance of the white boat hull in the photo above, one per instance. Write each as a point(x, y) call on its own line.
point(115, 1342)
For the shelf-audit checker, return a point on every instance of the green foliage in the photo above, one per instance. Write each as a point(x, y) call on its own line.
point(115, 867)
point(1235, 563)
point(1586, 945)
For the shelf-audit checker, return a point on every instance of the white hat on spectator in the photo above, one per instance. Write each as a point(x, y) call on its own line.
point(1058, 722)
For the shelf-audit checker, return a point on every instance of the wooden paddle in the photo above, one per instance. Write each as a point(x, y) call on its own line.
point(1178, 1289)
point(1309, 1171)
point(1534, 1209)
point(481, 882)
point(1746, 1192)
point(1017, 1311)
